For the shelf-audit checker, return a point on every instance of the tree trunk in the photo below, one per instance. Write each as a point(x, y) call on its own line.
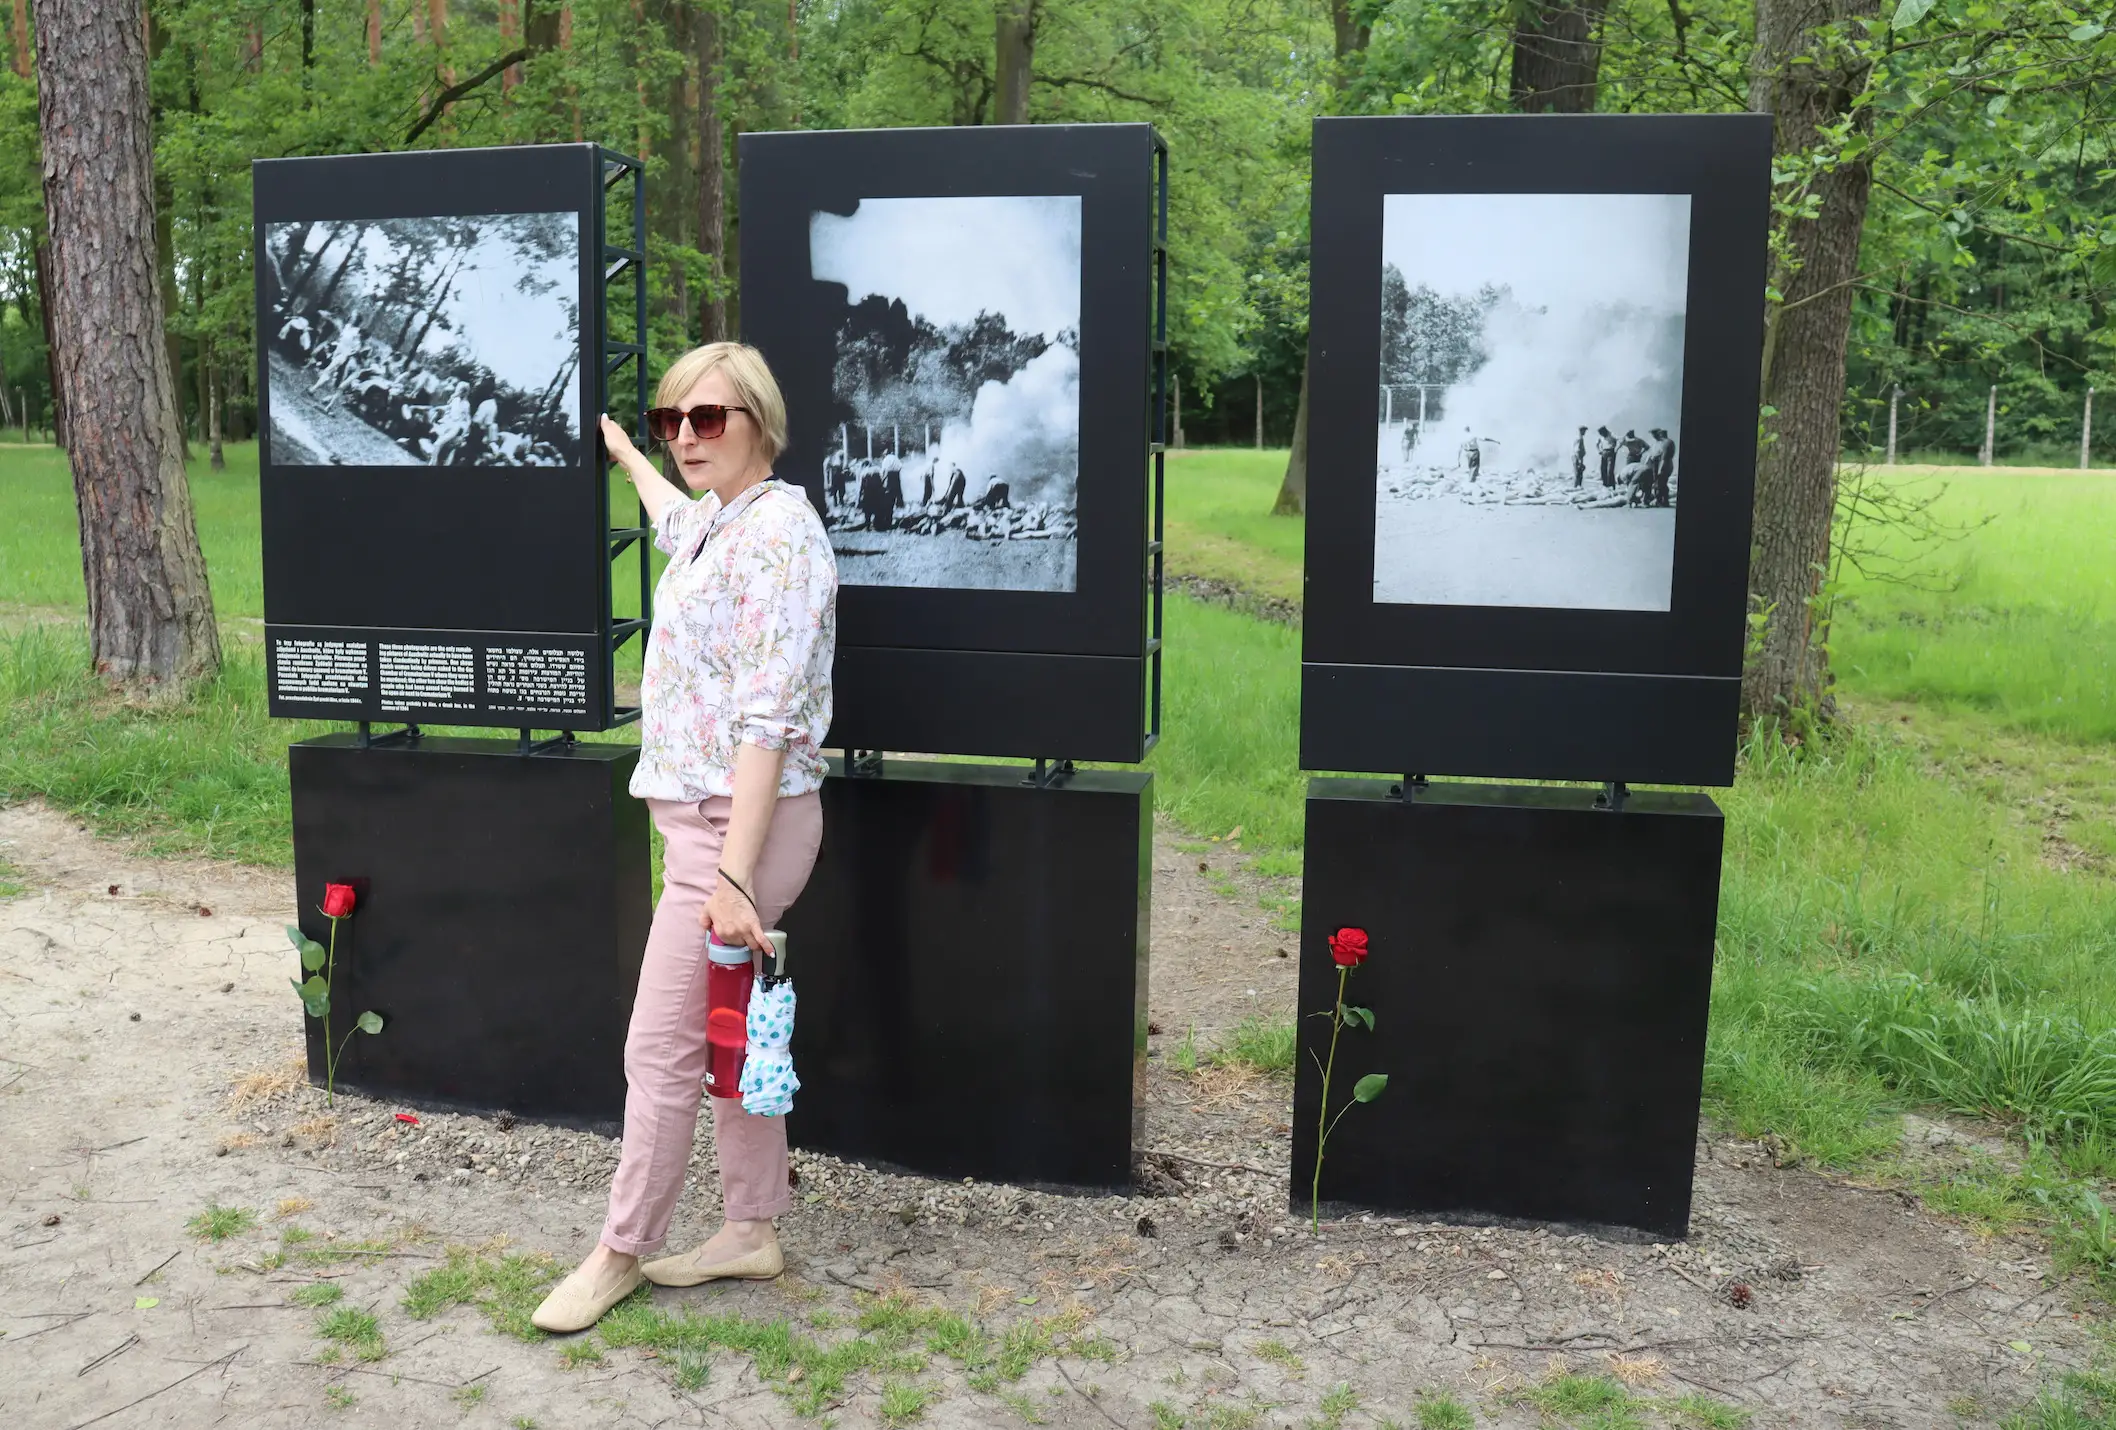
point(21, 39)
point(712, 178)
point(216, 458)
point(352, 250)
point(565, 42)
point(198, 370)
point(165, 263)
point(731, 249)
point(308, 35)
point(150, 610)
point(165, 242)
point(1557, 56)
point(1806, 86)
point(1293, 491)
point(1351, 39)
point(374, 33)
point(1014, 53)
point(510, 29)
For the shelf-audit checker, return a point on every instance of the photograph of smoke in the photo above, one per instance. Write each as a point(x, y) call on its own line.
point(1531, 399)
point(953, 458)
point(444, 342)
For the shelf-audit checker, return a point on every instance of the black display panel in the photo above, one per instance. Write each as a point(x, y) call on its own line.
point(1540, 979)
point(433, 500)
point(1534, 345)
point(963, 321)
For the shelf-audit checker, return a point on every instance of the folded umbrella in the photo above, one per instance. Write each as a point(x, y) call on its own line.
point(768, 1081)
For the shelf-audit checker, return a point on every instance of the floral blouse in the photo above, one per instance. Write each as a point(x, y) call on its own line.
point(745, 627)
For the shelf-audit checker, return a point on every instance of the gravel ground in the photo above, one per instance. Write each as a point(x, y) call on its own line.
point(147, 1040)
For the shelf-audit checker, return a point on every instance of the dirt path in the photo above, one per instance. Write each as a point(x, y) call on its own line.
point(145, 1037)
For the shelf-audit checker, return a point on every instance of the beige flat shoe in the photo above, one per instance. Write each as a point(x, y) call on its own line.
point(762, 1264)
point(578, 1302)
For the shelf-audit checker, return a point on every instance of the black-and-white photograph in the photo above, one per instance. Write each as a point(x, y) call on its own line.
point(954, 456)
point(445, 342)
point(1531, 399)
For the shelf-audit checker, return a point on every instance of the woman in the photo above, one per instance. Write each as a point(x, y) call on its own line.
point(734, 699)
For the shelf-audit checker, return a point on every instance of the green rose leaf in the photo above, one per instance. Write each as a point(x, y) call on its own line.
point(370, 1021)
point(312, 956)
point(1909, 12)
point(1369, 1087)
point(295, 936)
point(1360, 1015)
point(315, 996)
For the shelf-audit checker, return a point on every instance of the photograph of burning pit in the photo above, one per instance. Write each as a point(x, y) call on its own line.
point(954, 459)
point(1531, 399)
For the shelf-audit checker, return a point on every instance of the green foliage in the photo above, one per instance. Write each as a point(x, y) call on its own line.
point(1706, 1413)
point(218, 1223)
point(2082, 1400)
point(1183, 1057)
point(1341, 1400)
point(1437, 1410)
point(575, 1354)
point(1279, 1354)
point(1264, 1043)
point(903, 1402)
point(319, 1294)
point(692, 1369)
point(353, 1329)
point(506, 1288)
point(893, 1336)
point(1591, 1402)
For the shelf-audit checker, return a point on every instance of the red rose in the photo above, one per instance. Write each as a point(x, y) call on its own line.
point(1348, 947)
point(337, 900)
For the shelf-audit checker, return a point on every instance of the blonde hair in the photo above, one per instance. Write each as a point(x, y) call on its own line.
point(750, 376)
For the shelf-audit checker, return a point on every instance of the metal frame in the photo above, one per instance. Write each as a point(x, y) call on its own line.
point(1157, 445)
point(613, 261)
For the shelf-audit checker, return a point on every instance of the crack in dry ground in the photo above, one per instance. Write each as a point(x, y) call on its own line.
point(145, 1072)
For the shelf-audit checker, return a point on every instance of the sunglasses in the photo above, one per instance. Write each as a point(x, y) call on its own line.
point(708, 420)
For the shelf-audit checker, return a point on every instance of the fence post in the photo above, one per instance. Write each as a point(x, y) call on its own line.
point(1894, 395)
point(2086, 431)
point(1990, 425)
point(1175, 382)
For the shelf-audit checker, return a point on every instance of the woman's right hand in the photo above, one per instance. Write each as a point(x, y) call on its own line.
point(618, 442)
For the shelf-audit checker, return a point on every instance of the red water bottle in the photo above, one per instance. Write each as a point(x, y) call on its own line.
point(728, 979)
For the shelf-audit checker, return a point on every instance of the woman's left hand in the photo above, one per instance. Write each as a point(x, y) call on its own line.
point(732, 919)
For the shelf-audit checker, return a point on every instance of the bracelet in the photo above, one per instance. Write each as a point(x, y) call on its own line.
point(729, 880)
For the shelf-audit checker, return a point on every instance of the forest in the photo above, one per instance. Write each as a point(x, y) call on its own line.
point(1985, 257)
point(1943, 240)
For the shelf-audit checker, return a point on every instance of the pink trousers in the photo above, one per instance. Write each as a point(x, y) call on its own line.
point(665, 1049)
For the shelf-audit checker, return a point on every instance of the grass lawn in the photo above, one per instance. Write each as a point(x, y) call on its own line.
point(1918, 911)
point(1921, 911)
point(1219, 522)
point(2016, 619)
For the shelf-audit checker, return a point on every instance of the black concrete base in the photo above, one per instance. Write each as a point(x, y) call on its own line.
point(504, 908)
point(1540, 975)
point(970, 958)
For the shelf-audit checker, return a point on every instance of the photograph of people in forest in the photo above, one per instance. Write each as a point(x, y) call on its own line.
point(445, 342)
